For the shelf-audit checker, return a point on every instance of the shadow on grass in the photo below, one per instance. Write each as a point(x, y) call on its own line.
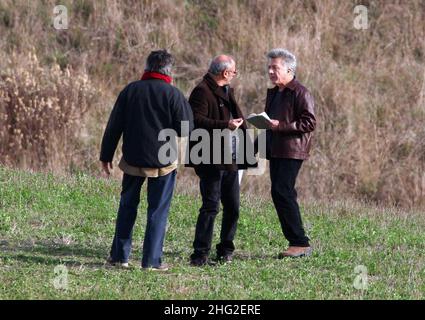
point(48, 253)
point(74, 255)
point(51, 261)
point(245, 256)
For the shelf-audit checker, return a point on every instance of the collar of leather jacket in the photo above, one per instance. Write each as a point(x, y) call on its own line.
point(292, 85)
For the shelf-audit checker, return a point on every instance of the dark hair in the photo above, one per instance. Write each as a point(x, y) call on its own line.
point(160, 61)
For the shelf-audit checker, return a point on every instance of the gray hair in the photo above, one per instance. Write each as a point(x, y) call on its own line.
point(160, 61)
point(287, 57)
point(218, 64)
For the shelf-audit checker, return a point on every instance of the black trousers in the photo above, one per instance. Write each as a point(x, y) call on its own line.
point(215, 186)
point(283, 174)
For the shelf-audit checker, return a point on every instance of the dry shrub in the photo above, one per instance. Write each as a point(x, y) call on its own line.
point(41, 112)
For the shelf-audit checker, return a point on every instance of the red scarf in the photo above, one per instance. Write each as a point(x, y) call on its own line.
point(155, 75)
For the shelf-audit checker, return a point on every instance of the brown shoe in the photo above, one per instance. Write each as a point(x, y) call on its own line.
point(296, 252)
point(198, 261)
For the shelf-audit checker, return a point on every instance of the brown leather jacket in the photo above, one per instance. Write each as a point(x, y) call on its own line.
point(296, 118)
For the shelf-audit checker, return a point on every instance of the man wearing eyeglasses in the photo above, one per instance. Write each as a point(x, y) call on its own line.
point(214, 107)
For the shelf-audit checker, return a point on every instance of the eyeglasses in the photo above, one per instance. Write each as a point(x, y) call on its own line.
point(235, 72)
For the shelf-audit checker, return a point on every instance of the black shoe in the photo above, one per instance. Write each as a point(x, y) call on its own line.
point(198, 261)
point(227, 258)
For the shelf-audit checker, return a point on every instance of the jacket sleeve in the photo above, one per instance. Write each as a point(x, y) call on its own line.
point(306, 121)
point(199, 106)
point(114, 128)
point(182, 112)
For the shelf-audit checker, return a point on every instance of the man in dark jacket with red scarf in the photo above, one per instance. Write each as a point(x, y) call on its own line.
point(290, 106)
point(143, 109)
point(215, 108)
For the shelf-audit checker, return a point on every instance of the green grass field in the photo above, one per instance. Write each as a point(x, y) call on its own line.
point(47, 221)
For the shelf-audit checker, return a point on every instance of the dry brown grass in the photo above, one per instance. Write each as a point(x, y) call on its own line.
point(41, 109)
point(369, 85)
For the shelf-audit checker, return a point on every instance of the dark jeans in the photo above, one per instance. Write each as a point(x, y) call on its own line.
point(215, 186)
point(283, 174)
point(160, 192)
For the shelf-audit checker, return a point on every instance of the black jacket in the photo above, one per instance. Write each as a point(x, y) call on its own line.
point(212, 109)
point(142, 110)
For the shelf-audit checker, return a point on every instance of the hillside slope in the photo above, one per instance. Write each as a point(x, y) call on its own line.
point(57, 86)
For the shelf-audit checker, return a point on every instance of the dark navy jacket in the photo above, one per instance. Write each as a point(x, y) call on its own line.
point(142, 110)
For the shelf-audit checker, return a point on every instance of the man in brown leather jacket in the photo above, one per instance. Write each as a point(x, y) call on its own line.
point(290, 106)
